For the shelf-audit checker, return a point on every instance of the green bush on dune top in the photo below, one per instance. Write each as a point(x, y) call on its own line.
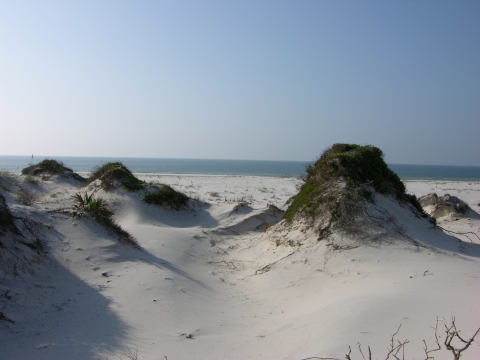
point(50, 166)
point(47, 168)
point(113, 174)
point(167, 196)
point(361, 168)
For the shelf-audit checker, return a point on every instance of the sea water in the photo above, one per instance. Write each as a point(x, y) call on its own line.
point(234, 167)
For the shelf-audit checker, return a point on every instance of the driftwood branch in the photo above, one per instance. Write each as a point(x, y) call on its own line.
point(396, 349)
point(460, 233)
point(452, 333)
point(437, 341)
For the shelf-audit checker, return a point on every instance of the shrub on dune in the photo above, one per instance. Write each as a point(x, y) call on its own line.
point(50, 167)
point(86, 203)
point(167, 196)
point(98, 208)
point(114, 174)
point(339, 184)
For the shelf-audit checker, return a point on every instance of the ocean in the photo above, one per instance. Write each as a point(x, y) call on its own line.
point(235, 167)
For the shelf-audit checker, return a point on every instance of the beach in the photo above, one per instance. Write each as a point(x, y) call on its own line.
point(210, 282)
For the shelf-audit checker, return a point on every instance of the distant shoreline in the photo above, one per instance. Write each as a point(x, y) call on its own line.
point(264, 168)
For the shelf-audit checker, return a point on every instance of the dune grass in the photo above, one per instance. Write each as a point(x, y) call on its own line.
point(115, 174)
point(167, 196)
point(98, 208)
point(49, 166)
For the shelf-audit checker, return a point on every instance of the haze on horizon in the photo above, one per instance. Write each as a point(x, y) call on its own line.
point(277, 80)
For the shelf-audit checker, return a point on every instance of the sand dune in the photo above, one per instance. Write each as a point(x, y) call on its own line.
point(210, 283)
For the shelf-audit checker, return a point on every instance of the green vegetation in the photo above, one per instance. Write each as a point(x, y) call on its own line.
point(26, 197)
point(166, 196)
point(53, 166)
point(115, 173)
point(360, 168)
point(97, 207)
point(31, 180)
point(5, 174)
point(47, 168)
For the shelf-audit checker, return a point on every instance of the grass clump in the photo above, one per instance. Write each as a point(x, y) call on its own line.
point(167, 196)
point(87, 203)
point(26, 197)
point(114, 174)
point(342, 179)
point(31, 180)
point(47, 168)
point(98, 208)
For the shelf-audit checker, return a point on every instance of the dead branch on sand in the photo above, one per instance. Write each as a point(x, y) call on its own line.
point(460, 233)
point(397, 347)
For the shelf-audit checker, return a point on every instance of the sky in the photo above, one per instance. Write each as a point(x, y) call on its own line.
point(259, 80)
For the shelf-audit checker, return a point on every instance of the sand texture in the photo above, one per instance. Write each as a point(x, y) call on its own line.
point(212, 281)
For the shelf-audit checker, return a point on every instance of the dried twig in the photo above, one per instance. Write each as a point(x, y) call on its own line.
point(453, 333)
point(460, 233)
point(427, 352)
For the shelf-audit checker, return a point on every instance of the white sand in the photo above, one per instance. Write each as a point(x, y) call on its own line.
point(198, 273)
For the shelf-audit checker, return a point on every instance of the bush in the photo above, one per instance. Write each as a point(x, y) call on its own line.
point(86, 203)
point(98, 208)
point(361, 168)
point(115, 173)
point(50, 166)
point(166, 196)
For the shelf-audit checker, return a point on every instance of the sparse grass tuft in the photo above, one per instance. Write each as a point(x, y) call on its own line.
point(114, 174)
point(31, 180)
point(167, 196)
point(5, 174)
point(26, 197)
point(97, 207)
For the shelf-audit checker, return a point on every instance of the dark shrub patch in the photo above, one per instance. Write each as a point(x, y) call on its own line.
point(115, 173)
point(51, 167)
point(166, 196)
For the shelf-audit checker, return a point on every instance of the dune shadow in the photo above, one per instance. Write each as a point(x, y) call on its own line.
point(62, 317)
point(445, 242)
point(160, 263)
point(125, 254)
point(472, 214)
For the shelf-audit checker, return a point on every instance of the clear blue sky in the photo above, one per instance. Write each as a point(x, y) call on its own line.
point(278, 80)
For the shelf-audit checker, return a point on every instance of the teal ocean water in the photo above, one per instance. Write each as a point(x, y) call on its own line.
point(236, 167)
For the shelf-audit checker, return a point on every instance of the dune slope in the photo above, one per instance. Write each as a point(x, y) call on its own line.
point(213, 282)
